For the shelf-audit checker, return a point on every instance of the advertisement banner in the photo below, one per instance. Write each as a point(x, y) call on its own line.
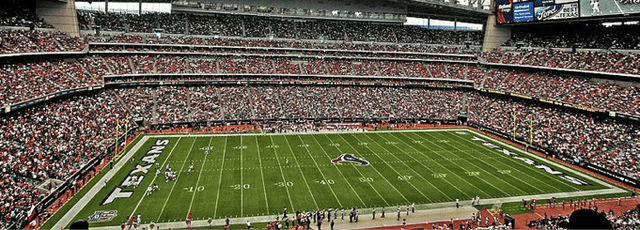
point(556, 12)
point(523, 12)
point(504, 12)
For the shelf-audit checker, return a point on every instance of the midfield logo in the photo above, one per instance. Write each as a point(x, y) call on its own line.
point(348, 157)
point(102, 216)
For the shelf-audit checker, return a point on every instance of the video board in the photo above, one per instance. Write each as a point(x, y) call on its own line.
point(520, 11)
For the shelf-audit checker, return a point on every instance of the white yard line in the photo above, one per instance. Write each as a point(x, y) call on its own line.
point(413, 170)
point(539, 172)
point(470, 163)
point(264, 188)
point(241, 182)
point(374, 168)
point(303, 176)
point(176, 181)
point(284, 180)
point(436, 162)
point(224, 154)
point(361, 175)
point(154, 177)
point(392, 168)
point(199, 175)
point(339, 171)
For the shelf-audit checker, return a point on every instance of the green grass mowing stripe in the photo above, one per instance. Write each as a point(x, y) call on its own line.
point(224, 154)
point(460, 181)
point(264, 188)
point(205, 192)
point(366, 180)
point(400, 179)
point(325, 201)
point(346, 195)
point(255, 199)
point(540, 185)
point(242, 179)
point(285, 183)
point(178, 176)
point(185, 185)
point(231, 187)
point(406, 166)
point(275, 184)
point(304, 177)
point(479, 164)
point(301, 195)
point(384, 176)
point(199, 176)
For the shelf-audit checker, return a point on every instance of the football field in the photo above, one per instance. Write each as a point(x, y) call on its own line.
point(258, 175)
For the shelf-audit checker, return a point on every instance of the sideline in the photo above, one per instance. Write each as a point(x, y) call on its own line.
point(77, 207)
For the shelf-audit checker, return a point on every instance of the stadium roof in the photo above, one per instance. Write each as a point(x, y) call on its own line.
point(442, 9)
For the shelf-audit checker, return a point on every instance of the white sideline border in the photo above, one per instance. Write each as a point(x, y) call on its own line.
point(73, 212)
point(67, 218)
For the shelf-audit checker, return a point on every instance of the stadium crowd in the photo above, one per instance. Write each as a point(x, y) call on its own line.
point(24, 81)
point(262, 27)
point(53, 140)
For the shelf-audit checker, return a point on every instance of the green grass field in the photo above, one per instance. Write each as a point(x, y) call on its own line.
point(248, 175)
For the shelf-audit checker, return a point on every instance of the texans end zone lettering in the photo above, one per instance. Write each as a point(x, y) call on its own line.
point(138, 172)
point(531, 162)
point(348, 157)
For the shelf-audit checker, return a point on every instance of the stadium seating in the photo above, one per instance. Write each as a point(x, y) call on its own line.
point(55, 138)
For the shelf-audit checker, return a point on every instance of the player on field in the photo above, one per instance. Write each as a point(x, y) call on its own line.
point(190, 168)
point(149, 189)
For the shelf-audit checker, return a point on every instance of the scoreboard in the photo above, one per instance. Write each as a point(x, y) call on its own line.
point(522, 11)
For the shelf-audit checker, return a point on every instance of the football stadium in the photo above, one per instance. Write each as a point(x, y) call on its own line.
point(350, 114)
